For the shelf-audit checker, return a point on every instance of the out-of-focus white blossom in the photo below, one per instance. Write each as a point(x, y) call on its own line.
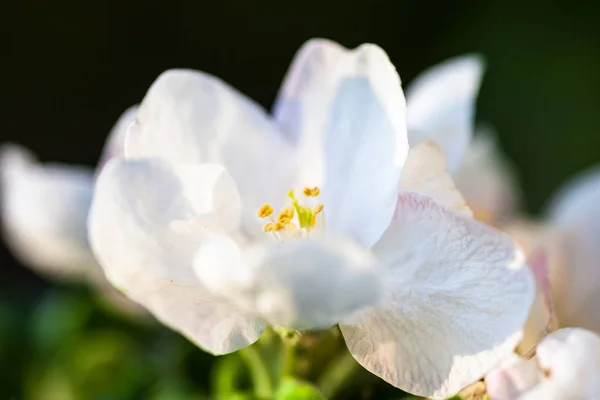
point(441, 106)
point(566, 366)
point(569, 234)
point(45, 207)
point(488, 181)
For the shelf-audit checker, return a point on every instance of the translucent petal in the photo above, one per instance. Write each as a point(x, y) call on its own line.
point(441, 106)
point(190, 116)
point(575, 211)
point(425, 172)
point(488, 181)
point(301, 284)
point(146, 222)
point(345, 110)
point(115, 143)
point(460, 294)
point(44, 212)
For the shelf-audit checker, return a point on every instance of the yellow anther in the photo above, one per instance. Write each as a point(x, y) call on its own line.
point(265, 211)
point(306, 216)
point(290, 211)
point(286, 215)
point(312, 192)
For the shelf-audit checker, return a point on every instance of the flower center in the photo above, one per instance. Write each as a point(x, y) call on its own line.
point(294, 220)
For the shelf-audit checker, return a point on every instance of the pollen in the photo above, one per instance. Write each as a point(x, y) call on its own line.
point(274, 227)
point(295, 220)
point(286, 215)
point(265, 211)
point(311, 191)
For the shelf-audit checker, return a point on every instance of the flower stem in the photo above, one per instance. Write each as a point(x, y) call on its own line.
point(261, 380)
point(289, 358)
point(338, 373)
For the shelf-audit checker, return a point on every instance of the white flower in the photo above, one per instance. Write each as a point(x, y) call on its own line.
point(426, 297)
point(566, 366)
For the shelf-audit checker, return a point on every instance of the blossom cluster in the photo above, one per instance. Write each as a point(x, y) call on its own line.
point(352, 204)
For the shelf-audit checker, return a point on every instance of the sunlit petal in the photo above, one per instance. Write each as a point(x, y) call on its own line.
point(345, 110)
point(441, 106)
point(302, 284)
point(147, 220)
point(460, 295)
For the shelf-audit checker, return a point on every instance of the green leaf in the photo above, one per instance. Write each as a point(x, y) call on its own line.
point(58, 319)
point(294, 389)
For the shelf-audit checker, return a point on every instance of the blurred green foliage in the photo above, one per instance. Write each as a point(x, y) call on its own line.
point(68, 347)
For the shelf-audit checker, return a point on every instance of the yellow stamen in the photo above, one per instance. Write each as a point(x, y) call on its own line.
point(265, 210)
point(311, 192)
point(286, 215)
point(306, 216)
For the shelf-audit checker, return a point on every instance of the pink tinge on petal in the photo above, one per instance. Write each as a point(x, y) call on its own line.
point(512, 379)
point(538, 262)
point(500, 386)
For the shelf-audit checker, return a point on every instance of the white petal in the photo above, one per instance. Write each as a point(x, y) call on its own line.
point(345, 109)
point(460, 295)
point(190, 116)
point(302, 284)
point(510, 380)
point(488, 181)
point(441, 106)
point(425, 172)
point(576, 283)
point(44, 212)
point(115, 142)
point(571, 357)
point(147, 220)
point(568, 363)
point(543, 247)
point(540, 321)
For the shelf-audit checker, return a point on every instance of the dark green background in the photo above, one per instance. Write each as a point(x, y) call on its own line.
point(68, 68)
